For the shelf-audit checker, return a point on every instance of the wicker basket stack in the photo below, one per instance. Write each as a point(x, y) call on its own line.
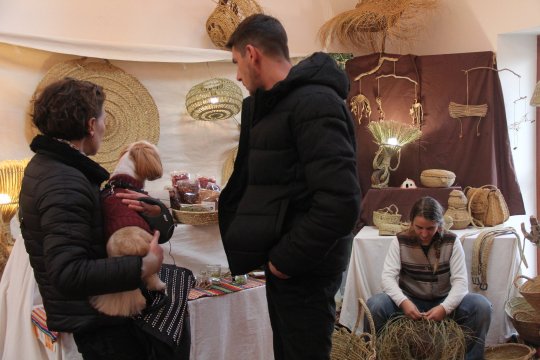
point(524, 312)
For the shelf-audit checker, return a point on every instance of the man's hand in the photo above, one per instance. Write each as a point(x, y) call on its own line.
point(130, 199)
point(276, 272)
point(153, 260)
point(410, 310)
point(436, 313)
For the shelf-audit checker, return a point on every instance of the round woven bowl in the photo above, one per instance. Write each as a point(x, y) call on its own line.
point(437, 178)
point(525, 319)
point(195, 217)
point(509, 352)
point(530, 290)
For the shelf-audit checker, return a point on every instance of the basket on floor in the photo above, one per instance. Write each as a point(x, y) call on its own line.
point(387, 215)
point(525, 319)
point(195, 217)
point(509, 352)
point(348, 345)
point(530, 290)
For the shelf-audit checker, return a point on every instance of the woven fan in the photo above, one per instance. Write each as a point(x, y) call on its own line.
point(372, 22)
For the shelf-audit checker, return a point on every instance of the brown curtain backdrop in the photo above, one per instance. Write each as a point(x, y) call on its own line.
point(476, 160)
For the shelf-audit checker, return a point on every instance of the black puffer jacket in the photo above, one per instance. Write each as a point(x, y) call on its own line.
point(294, 196)
point(61, 224)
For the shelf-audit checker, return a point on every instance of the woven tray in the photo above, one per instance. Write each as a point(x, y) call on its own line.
point(509, 352)
point(525, 319)
point(195, 217)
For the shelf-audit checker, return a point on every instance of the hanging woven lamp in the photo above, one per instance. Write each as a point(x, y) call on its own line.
point(11, 174)
point(214, 99)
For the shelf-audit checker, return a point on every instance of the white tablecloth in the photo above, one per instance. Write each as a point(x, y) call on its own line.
point(228, 327)
point(366, 265)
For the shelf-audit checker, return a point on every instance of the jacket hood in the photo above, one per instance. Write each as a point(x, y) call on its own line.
point(318, 69)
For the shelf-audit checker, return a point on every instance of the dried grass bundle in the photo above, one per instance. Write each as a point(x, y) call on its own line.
point(371, 22)
point(406, 339)
point(384, 130)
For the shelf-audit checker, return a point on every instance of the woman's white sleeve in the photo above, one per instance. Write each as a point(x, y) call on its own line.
point(390, 275)
point(458, 279)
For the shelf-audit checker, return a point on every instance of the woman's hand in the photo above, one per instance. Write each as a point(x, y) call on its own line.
point(410, 310)
point(436, 313)
point(130, 199)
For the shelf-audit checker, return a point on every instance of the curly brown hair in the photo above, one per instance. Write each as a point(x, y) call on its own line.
point(63, 108)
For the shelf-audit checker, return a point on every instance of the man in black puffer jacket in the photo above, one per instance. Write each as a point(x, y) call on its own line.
point(293, 198)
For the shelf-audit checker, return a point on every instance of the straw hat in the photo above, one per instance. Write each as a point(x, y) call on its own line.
point(132, 114)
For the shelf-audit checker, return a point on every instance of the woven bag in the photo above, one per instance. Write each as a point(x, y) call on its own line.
point(509, 352)
point(486, 205)
point(387, 215)
point(347, 345)
point(530, 290)
point(524, 318)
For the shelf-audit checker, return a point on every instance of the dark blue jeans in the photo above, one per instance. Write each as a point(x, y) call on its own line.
point(302, 314)
point(473, 315)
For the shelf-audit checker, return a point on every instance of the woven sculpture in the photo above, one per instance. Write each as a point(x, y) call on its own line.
point(214, 99)
point(11, 174)
point(372, 22)
point(132, 114)
point(225, 18)
point(391, 136)
point(535, 98)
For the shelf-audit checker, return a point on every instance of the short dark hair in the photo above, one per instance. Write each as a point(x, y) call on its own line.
point(428, 208)
point(63, 108)
point(262, 31)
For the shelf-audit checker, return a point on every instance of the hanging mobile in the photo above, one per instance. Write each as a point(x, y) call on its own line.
point(359, 104)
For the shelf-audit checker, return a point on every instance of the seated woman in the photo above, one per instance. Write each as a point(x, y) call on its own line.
point(425, 276)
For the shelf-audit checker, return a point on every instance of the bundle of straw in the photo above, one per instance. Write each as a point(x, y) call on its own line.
point(406, 339)
point(369, 24)
point(388, 129)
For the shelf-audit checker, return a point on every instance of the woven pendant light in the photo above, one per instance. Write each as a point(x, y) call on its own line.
point(214, 99)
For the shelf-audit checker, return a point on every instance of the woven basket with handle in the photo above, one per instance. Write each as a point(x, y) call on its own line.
point(509, 352)
point(348, 345)
point(530, 290)
point(387, 215)
point(525, 319)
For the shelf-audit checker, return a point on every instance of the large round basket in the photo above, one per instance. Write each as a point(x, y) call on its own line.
point(437, 178)
point(195, 217)
point(525, 319)
point(509, 352)
point(388, 215)
point(530, 290)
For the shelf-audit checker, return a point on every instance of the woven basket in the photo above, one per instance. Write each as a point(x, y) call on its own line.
point(509, 352)
point(437, 178)
point(525, 319)
point(530, 290)
point(225, 18)
point(387, 215)
point(386, 229)
point(348, 345)
point(195, 217)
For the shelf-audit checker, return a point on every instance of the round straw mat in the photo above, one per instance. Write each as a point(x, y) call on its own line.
point(132, 114)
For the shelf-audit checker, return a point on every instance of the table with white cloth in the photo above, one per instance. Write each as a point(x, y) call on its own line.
point(367, 260)
point(227, 327)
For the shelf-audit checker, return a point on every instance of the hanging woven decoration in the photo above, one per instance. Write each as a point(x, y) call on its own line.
point(132, 114)
point(372, 22)
point(214, 99)
point(225, 18)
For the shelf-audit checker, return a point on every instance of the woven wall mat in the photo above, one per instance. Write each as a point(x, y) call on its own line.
point(132, 114)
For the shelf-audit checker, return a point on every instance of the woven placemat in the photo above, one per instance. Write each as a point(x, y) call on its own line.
point(132, 114)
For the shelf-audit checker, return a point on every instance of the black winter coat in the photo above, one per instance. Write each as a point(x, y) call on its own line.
point(61, 223)
point(293, 197)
